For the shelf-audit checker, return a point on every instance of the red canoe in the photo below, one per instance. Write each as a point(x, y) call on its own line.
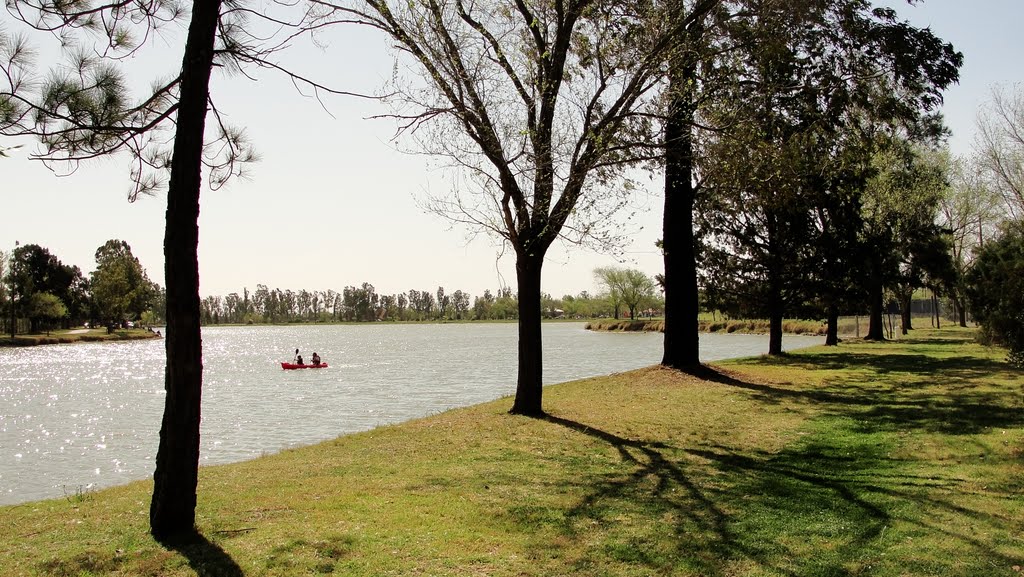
point(288, 366)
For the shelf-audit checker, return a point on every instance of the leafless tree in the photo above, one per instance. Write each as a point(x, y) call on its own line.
point(538, 105)
point(1000, 145)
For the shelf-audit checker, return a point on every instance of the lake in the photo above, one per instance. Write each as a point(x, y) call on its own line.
point(83, 416)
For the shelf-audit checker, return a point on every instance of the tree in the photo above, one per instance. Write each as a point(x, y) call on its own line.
point(482, 305)
point(121, 290)
point(969, 210)
point(46, 308)
point(995, 290)
point(460, 302)
point(899, 208)
point(758, 226)
point(19, 286)
point(443, 303)
point(531, 102)
point(3, 283)
point(683, 93)
point(630, 287)
point(611, 278)
point(1000, 145)
point(50, 275)
point(758, 173)
point(713, 57)
point(86, 113)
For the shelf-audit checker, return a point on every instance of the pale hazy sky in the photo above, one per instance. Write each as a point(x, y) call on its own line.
point(333, 203)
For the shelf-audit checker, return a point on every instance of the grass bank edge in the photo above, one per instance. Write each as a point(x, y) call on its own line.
point(74, 336)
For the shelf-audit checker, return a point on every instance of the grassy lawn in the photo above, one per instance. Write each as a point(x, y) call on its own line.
point(893, 459)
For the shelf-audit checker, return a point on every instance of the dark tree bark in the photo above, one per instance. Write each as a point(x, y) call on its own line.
point(876, 324)
point(832, 327)
point(775, 332)
point(776, 275)
point(529, 387)
point(172, 511)
point(776, 311)
point(906, 302)
point(682, 342)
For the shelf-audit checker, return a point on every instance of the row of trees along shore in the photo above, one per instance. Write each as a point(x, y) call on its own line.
point(363, 303)
point(789, 134)
point(39, 292)
point(624, 290)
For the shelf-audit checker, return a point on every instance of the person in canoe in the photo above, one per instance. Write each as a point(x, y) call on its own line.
point(298, 360)
point(316, 359)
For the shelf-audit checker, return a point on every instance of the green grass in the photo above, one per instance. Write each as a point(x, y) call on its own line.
point(889, 459)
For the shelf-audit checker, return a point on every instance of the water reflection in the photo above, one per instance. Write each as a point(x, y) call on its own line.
point(74, 417)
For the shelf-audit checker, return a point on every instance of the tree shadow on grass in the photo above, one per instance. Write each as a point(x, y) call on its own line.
point(205, 557)
point(810, 509)
point(945, 398)
point(658, 487)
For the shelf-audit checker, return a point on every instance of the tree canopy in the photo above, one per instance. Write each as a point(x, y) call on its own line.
point(626, 286)
point(121, 290)
point(1000, 145)
point(995, 290)
point(778, 80)
point(534, 103)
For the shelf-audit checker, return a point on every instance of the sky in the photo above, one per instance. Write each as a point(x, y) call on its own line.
point(335, 202)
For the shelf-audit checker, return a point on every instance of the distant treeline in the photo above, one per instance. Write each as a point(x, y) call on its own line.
point(364, 304)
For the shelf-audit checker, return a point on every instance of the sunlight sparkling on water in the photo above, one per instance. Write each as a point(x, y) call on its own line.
point(74, 417)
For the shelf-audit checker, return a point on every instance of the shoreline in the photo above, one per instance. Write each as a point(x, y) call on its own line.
point(750, 327)
point(71, 336)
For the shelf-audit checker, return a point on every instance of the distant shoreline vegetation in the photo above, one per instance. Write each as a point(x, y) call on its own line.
point(66, 337)
point(753, 326)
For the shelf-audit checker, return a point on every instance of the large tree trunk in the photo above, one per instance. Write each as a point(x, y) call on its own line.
point(530, 387)
point(172, 510)
point(832, 327)
point(961, 310)
point(775, 332)
point(775, 313)
point(776, 305)
point(682, 344)
point(876, 324)
point(906, 302)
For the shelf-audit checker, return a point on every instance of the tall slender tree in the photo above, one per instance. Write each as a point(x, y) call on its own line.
point(83, 111)
point(685, 90)
point(531, 101)
point(900, 205)
point(970, 209)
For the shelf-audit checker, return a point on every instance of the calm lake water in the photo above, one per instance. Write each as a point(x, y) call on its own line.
point(78, 417)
